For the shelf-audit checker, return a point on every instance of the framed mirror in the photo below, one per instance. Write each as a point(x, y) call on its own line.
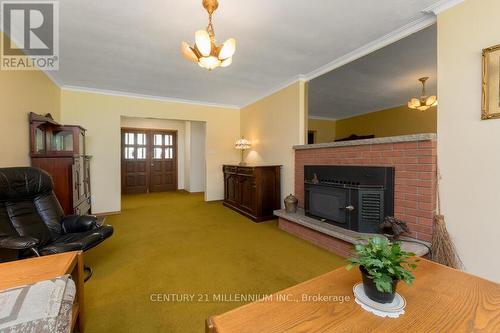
point(491, 83)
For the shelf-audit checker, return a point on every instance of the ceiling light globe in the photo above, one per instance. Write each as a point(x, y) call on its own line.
point(209, 62)
point(203, 42)
point(226, 62)
point(414, 103)
point(431, 100)
point(188, 52)
point(228, 49)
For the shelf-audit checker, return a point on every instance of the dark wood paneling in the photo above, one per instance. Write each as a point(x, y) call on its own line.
point(252, 191)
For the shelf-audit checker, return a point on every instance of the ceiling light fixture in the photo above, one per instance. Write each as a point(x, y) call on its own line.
point(424, 102)
point(205, 52)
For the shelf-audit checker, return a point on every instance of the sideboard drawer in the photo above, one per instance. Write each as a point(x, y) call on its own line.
point(246, 171)
point(229, 169)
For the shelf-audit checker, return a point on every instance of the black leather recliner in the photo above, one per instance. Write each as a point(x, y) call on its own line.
point(32, 220)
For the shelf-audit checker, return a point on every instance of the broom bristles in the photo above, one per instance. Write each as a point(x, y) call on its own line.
point(443, 249)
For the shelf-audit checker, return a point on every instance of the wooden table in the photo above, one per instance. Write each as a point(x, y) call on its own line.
point(441, 300)
point(29, 271)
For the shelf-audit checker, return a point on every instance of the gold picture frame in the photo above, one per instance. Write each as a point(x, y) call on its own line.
point(491, 83)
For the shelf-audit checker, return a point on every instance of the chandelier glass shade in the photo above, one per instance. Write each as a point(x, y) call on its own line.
point(205, 51)
point(424, 102)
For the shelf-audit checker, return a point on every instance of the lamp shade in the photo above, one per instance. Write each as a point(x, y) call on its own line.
point(242, 144)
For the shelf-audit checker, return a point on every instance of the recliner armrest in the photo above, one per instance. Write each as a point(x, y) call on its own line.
point(77, 223)
point(18, 242)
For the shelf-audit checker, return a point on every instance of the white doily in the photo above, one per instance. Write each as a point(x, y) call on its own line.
point(391, 310)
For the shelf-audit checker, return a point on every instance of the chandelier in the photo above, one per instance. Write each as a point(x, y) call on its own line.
point(424, 102)
point(205, 52)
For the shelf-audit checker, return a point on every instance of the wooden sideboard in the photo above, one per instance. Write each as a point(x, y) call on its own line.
point(254, 191)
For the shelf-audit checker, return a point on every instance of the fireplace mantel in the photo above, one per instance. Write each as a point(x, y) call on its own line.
point(375, 141)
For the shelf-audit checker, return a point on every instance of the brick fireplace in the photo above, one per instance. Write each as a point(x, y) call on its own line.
point(414, 160)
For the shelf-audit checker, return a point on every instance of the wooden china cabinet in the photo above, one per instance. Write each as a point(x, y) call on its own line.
point(60, 150)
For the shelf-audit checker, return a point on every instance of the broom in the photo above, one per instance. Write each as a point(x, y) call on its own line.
point(443, 249)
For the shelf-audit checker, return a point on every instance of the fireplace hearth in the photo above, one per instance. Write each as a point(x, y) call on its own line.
point(357, 198)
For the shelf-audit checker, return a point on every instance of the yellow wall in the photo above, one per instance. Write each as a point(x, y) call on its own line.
point(274, 124)
point(22, 92)
point(390, 122)
point(324, 129)
point(468, 148)
point(100, 115)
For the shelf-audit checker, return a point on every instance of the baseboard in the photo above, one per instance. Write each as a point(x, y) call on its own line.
point(107, 213)
point(186, 191)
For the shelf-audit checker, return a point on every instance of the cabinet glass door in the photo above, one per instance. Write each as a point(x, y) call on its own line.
point(39, 141)
point(62, 141)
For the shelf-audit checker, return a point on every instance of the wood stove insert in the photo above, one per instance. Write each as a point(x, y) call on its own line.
point(353, 197)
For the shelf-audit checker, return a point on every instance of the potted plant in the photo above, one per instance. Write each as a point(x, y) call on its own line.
point(382, 266)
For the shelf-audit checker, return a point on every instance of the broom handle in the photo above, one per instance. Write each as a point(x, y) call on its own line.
point(438, 177)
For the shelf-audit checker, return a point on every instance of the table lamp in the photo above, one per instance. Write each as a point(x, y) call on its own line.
point(242, 144)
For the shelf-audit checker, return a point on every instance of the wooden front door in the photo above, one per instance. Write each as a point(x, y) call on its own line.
point(149, 160)
point(163, 175)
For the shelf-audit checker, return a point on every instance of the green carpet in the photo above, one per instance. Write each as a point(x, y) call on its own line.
point(175, 243)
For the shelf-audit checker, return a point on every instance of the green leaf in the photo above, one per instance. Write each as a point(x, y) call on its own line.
point(384, 261)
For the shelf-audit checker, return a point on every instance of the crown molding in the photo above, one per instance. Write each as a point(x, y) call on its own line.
point(148, 97)
point(52, 77)
point(441, 6)
point(375, 45)
point(283, 85)
point(321, 118)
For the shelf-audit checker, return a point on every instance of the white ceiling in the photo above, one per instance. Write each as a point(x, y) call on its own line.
point(383, 79)
point(134, 46)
